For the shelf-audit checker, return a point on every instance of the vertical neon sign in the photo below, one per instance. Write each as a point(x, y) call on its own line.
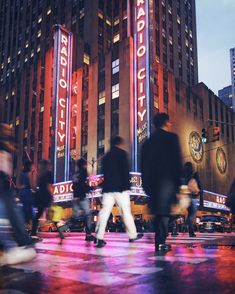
point(61, 102)
point(141, 77)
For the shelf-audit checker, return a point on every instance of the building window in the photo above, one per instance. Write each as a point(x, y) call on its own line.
point(116, 38)
point(86, 58)
point(115, 91)
point(101, 97)
point(115, 66)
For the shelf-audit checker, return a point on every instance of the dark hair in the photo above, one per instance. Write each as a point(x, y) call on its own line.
point(44, 166)
point(80, 163)
point(160, 119)
point(117, 140)
point(188, 169)
point(27, 166)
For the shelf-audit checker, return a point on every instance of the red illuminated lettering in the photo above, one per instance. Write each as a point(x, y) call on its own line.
point(141, 12)
point(64, 40)
point(140, 25)
point(141, 51)
point(140, 75)
point(139, 2)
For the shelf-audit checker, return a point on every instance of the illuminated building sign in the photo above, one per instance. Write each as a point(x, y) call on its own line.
point(63, 192)
point(61, 101)
point(214, 200)
point(141, 76)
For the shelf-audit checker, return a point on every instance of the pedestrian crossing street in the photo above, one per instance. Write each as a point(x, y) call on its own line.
point(119, 261)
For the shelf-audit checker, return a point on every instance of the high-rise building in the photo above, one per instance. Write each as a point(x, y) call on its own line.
point(232, 64)
point(226, 96)
point(105, 36)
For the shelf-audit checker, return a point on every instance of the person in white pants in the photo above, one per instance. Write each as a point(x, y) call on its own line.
point(116, 188)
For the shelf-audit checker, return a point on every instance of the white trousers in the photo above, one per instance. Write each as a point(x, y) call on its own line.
point(123, 202)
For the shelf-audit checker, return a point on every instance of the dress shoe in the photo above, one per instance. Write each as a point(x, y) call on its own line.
point(162, 248)
point(90, 238)
point(100, 243)
point(139, 236)
point(192, 235)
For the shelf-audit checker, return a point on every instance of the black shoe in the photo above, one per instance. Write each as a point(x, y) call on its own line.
point(90, 238)
point(139, 236)
point(162, 247)
point(100, 243)
point(192, 235)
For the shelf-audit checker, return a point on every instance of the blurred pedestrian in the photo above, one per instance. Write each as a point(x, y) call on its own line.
point(191, 179)
point(80, 202)
point(161, 169)
point(116, 186)
point(230, 202)
point(58, 220)
point(27, 187)
point(12, 254)
point(43, 197)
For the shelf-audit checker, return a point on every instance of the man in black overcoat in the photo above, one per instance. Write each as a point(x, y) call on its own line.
point(161, 168)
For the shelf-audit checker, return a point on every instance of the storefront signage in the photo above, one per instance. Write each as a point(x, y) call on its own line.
point(61, 101)
point(214, 200)
point(141, 76)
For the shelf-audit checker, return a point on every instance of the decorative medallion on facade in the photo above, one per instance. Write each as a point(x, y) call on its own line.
point(221, 160)
point(196, 147)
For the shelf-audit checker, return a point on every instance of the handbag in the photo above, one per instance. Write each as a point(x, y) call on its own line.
point(183, 202)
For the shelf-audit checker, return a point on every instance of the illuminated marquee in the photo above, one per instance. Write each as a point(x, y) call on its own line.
point(61, 101)
point(141, 76)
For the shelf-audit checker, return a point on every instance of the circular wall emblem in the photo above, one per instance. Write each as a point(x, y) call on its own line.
point(221, 160)
point(196, 147)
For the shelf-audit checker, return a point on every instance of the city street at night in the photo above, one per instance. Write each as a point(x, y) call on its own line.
point(204, 264)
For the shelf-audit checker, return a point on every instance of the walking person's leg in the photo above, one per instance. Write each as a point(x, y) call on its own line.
point(85, 205)
point(124, 204)
point(161, 231)
point(107, 205)
point(16, 219)
point(191, 215)
point(35, 221)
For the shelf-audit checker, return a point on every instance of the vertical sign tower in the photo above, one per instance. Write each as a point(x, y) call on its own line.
point(141, 78)
point(61, 102)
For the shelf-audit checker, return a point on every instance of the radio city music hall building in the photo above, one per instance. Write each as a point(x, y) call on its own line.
point(75, 73)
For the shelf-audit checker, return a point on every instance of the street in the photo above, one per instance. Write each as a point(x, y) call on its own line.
point(204, 264)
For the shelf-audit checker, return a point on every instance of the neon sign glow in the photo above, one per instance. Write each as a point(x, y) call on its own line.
point(61, 101)
point(141, 76)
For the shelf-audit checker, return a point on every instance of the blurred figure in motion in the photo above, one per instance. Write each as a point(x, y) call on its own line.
point(80, 202)
point(191, 179)
point(43, 197)
point(230, 202)
point(116, 186)
point(161, 169)
point(12, 254)
point(58, 220)
point(26, 192)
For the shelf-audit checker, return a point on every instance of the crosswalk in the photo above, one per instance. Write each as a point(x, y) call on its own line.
point(80, 261)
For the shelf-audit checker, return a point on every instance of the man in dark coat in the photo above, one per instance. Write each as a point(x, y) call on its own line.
point(161, 168)
point(116, 186)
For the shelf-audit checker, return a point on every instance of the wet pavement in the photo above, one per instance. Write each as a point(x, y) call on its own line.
point(205, 264)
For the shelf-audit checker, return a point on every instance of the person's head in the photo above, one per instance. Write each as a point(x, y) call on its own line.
point(161, 120)
point(27, 166)
point(116, 141)
point(81, 164)
point(188, 168)
point(44, 166)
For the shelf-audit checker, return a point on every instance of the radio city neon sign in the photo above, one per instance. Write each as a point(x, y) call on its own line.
point(62, 89)
point(141, 75)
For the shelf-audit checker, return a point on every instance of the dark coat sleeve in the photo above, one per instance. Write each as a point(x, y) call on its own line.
point(176, 160)
point(125, 170)
point(145, 167)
